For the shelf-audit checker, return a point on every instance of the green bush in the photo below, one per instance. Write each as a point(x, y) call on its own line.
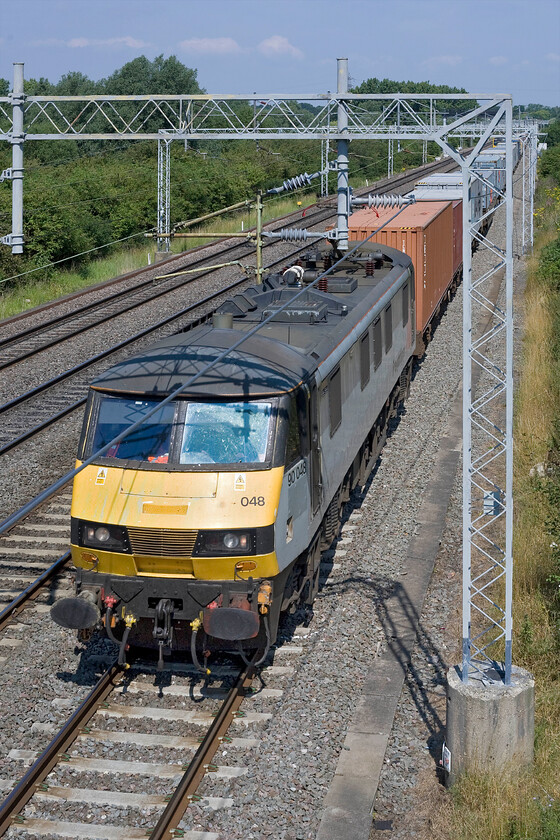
point(549, 264)
point(549, 164)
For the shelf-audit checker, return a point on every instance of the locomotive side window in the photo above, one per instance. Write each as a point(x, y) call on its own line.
point(293, 443)
point(335, 401)
point(377, 346)
point(388, 324)
point(405, 305)
point(226, 433)
point(149, 442)
point(364, 360)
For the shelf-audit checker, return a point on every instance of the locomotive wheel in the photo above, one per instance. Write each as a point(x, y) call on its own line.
point(331, 522)
point(404, 383)
point(382, 430)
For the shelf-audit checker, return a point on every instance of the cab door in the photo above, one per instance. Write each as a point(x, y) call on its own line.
point(314, 438)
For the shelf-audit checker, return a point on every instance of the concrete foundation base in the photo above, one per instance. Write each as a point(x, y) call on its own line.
point(162, 255)
point(489, 727)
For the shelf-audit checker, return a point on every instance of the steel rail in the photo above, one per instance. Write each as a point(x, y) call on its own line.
point(41, 768)
point(41, 426)
point(19, 602)
point(58, 748)
point(177, 805)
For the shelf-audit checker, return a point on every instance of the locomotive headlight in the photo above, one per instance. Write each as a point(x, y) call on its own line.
point(232, 540)
point(99, 535)
point(243, 541)
point(223, 543)
point(102, 534)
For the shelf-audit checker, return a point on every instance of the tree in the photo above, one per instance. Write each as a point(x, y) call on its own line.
point(38, 87)
point(142, 76)
point(75, 84)
point(553, 135)
point(449, 107)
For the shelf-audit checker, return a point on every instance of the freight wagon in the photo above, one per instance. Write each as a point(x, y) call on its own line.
point(424, 231)
point(448, 186)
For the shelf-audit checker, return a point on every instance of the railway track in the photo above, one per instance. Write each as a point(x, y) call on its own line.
point(32, 556)
point(137, 749)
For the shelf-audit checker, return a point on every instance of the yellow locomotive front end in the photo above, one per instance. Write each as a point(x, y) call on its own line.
point(187, 495)
point(173, 527)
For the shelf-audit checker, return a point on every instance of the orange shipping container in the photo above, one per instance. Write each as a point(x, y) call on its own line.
point(424, 231)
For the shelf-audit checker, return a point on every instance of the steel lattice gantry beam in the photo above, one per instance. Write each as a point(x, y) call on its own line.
point(232, 117)
point(488, 325)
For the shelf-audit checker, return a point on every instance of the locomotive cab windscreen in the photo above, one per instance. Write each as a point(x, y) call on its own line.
point(183, 434)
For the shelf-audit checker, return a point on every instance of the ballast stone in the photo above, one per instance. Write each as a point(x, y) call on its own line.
point(490, 727)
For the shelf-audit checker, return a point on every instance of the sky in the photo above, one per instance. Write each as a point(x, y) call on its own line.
point(291, 46)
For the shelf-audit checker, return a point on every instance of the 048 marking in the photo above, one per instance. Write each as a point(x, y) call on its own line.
point(257, 501)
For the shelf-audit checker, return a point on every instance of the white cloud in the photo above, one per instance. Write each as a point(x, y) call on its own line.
point(553, 57)
point(80, 43)
point(447, 60)
point(498, 60)
point(125, 41)
point(211, 46)
point(276, 46)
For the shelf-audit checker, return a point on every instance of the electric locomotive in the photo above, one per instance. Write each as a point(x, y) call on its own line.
point(207, 522)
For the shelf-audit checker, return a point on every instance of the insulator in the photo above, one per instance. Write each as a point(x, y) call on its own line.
point(327, 261)
point(323, 284)
point(383, 201)
point(294, 183)
point(369, 268)
point(295, 234)
point(297, 181)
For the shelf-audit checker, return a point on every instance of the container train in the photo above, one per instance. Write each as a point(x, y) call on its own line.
point(199, 529)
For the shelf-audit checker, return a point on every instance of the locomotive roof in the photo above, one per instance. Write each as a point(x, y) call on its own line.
point(285, 351)
point(261, 367)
